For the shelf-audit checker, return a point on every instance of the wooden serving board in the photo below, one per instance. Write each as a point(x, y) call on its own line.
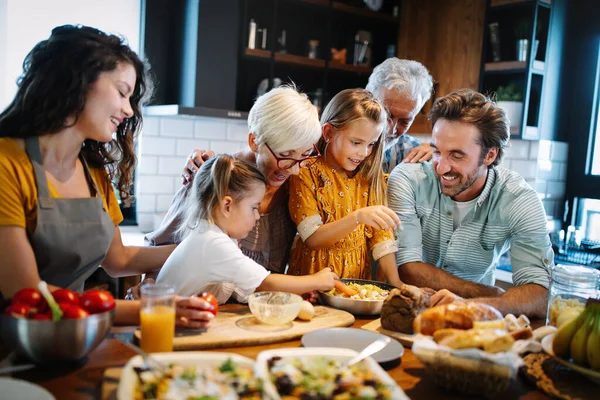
point(238, 327)
point(404, 338)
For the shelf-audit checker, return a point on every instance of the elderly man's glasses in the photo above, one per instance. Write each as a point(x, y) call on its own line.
point(287, 162)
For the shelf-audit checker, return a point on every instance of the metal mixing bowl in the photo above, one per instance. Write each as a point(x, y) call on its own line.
point(48, 341)
point(356, 307)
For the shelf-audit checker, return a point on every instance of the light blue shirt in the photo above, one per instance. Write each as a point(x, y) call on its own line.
point(395, 154)
point(508, 215)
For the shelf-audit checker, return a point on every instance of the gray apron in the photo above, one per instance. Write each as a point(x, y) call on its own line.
point(72, 236)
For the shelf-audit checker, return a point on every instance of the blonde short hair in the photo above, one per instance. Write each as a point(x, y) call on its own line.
point(284, 119)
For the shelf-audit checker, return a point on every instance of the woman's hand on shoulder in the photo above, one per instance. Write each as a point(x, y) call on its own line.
point(189, 313)
point(378, 217)
point(193, 162)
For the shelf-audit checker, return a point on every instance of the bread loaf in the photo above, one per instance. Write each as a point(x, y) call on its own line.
point(402, 306)
point(458, 316)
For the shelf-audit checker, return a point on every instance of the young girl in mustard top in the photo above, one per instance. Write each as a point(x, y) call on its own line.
point(338, 202)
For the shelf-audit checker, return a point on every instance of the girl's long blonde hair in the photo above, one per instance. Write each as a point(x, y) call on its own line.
point(349, 106)
point(220, 176)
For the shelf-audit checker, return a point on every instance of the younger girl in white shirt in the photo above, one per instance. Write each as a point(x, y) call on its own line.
point(222, 209)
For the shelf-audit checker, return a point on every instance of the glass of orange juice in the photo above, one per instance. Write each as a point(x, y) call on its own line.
point(157, 316)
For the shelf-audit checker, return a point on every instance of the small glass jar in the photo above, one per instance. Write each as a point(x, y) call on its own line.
point(313, 48)
point(570, 288)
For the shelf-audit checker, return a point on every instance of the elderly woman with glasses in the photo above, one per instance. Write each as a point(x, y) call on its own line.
point(284, 127)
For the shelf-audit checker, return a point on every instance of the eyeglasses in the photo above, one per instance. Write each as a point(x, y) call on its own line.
point(287, 162)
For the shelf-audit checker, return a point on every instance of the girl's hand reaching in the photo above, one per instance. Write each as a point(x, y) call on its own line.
point(189, 314)
point(325, 278)
point(378, 217)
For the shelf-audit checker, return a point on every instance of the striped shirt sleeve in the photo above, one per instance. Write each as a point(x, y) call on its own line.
point(402, 200)
point(530, 248)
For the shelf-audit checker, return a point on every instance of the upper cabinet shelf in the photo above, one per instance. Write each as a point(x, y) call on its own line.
point(364, 12)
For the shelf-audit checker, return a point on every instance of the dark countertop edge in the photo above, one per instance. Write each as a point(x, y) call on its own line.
point(176, 109)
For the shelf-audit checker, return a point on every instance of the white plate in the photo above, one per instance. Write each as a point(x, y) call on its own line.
point(19, 389)
point(129, 378)
point(354, 339)
point(588, 373)
point(262, 369)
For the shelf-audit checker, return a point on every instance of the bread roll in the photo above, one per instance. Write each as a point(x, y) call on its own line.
point(458, 316)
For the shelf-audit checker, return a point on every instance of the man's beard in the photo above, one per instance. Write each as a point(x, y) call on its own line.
point(390, 141)
point(461, 182)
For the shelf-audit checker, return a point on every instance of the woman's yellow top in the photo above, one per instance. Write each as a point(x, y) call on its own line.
point(319, 195)
point(18, 190)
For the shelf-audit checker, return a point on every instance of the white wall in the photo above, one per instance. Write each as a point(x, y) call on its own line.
point(23, 23)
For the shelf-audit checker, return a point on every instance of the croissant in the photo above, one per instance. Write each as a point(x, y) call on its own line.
point(457, 316)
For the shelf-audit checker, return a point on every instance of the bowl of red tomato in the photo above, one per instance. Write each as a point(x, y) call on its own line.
point(67, 330)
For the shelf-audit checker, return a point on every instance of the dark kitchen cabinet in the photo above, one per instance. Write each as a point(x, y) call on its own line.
point(202, 56)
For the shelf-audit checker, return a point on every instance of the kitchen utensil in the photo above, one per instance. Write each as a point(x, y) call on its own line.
point(50, 341)
point(15, 368)
point(356, 307)
point(150, 361)
point(354, 339)
point(373, 348)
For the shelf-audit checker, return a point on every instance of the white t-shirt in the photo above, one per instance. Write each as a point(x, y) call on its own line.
point(461, 209)
point(209, 260)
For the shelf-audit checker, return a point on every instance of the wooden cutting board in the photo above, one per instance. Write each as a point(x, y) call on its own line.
point(404, 338)
point(238, 327)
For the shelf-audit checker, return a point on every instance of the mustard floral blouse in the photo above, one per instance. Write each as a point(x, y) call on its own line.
point(320, 194)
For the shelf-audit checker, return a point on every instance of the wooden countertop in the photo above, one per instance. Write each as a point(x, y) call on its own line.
point(85, 380)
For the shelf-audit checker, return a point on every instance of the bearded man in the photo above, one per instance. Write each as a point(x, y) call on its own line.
point(461, 212)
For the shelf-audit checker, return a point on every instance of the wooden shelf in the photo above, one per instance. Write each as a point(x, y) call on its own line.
point(364, 12)
point(505, 66)
point(260, 53)
point(299, 60)
point(350, 67)
point(320, 3)
point(499, 3)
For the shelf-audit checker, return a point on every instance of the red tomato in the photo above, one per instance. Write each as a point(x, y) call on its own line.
point(212, 301)
point(75, 312)
point(18, 310)
point(42, 317)
point(96, 301)
point(29, 296)
point(66, 296)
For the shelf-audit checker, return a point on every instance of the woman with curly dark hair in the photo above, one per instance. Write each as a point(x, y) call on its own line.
point(66, 136)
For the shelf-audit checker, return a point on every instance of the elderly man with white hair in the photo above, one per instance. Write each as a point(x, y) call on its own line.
point(403, 86)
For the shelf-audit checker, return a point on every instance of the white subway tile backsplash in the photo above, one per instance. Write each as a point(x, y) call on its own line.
point(177, 127)
point(210, 128)
point(545, 150)
point(219, 146)
point(527, 169)
point(145, 221)
point(237, 131)
point(147, 165)
point(145, 202)
point(548, 170)
point(506, 163)
point(157, 146)
point(163, 201)
point(556, 189)
point(540, 187)
point(562, 175)
point(186, 146)
point(170, 165)
point(559, 151)
point(151, 126)
point(155, 184)
point(534, 150)
point(549, 207)
point(519, 149)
